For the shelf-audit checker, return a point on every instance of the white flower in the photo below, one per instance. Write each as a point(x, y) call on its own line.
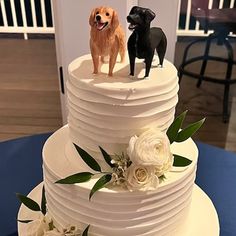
point(167, 166)
point(130, 148)
point(53, 232)
point(151, 148)
point(141, 178)
point(38, 226)
point(70, 230)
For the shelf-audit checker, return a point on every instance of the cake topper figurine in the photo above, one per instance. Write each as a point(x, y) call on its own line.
point(106, 37)
point(144, 40)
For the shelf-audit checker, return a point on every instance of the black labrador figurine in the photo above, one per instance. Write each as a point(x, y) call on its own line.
point(144, 40)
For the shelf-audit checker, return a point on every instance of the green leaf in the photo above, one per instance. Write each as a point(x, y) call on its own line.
point(25, 221)
point(31, 204)
point(85, 233)
point(189, 131)
point(180, 161)
point(100, 184)
point(89, 160)
point(76, 178)
point(174, 128)
point(43, 202)
point(107, 157)
point(162, 177)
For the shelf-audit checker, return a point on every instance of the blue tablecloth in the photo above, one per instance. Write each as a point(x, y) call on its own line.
point(216, 175)
point(20, 171)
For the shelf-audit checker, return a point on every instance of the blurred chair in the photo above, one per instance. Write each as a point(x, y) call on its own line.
point(222, 22)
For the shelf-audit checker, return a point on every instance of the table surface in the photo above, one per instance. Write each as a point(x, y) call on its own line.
point(20, 171)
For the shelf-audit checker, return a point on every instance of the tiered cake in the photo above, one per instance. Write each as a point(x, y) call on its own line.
point(112, 115)
point(121, 167)
point(107, 112)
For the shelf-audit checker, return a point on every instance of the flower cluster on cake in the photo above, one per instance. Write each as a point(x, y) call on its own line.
point(147, 159)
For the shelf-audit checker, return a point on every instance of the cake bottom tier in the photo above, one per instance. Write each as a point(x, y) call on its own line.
point(115, 211)
point(196, 222)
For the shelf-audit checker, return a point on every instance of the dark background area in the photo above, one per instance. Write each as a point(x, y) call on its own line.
point(183, 10)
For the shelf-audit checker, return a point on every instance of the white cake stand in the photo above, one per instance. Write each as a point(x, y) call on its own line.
point(202, 218)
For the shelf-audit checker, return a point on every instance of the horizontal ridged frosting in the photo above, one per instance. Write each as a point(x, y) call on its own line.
point(114, 211)
point(105, 111)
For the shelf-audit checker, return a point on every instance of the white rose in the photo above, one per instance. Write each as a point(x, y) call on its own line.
point(151, 148)
point(37, 227)
point(167, 166)
point(141, 178)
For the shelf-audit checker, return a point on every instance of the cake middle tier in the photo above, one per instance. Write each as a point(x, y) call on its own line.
point(107, 111)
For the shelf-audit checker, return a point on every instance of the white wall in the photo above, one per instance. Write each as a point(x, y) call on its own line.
point(72, 30)
point(167, 12)
point(73, 19)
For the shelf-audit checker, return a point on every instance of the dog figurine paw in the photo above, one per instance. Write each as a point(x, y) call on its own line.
point(107, 38)
point(144, 40)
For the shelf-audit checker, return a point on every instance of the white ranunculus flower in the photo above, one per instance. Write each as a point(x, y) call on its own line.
point(151, 148)
point(38, 226)
point(141, 178)
point(130, 148)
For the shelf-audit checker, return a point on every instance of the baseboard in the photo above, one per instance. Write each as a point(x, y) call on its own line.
point(30, 36)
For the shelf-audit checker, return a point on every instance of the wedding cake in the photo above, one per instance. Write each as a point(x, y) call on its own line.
point(107, 112)
point(123, 165)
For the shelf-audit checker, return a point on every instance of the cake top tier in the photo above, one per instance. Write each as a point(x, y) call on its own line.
point(121, 85)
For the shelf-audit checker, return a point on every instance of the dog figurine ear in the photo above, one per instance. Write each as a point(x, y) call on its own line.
point(133, 9)
point(92, 17)
point(114, 21)
point(150, 15)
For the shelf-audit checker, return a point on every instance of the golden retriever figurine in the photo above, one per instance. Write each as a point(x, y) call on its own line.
point(106, 37)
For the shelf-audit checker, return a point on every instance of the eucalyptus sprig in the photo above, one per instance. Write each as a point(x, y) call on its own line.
point(86, 176)
point(33, 205)
point(178, 134)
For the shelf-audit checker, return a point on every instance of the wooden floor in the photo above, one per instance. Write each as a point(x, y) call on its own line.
point(29, 92)
point(30, 101)
point(207, 101)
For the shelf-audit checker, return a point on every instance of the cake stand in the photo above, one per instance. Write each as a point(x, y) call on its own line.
point(197, 222)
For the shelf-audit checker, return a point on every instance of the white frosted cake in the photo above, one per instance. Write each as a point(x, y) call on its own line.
point(114, 114)
point(107, 112)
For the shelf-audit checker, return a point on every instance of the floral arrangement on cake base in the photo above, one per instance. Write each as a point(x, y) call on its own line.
point(44, 225)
